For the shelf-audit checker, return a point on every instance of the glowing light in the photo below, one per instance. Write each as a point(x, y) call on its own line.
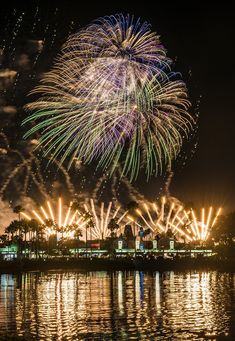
point(50, 209)
point(48, 214)
point(38, 216)
point(203, 224)
point(25, 215)
point(112, 97)
point(60, 212)
point(44, 212)
point(67, 216)
point(103, 216)
point(195, 224)
point(217, 214)
point(201, 228)
point(184, 225)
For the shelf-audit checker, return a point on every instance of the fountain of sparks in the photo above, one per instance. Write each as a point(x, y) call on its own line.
point(67, 221)
point(63, 219)
point(102, 215)
point(168, 216)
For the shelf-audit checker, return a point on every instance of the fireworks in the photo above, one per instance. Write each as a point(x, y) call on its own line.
point(112, 97)
point(67, 220)
point(103, 215)
point(200, 227)
point(25, 171)
point(64, 221)
point(185, 225)
point(22, 59)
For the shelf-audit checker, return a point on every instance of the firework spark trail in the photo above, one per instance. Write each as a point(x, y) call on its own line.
point(27, 165)
point(184, 225)
point(26, 182)
point(24, 165)
point(114, 188)
point(98, 186)
point(166, 217)
point(63, 217)
point(14, 46)
point(132, 191)
point(170, 175)
point(112, 97)
point(200, 228)
point(102, 216)
point(40, 181)
point(67, 178)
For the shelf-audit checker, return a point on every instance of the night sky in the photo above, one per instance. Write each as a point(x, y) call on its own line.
point(200, 39)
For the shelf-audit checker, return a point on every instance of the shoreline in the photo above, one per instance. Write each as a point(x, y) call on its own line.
point(120, 264)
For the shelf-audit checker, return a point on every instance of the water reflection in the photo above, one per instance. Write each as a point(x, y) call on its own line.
point(118, 306)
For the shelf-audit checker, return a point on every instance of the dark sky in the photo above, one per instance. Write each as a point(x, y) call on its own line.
point(201, 39)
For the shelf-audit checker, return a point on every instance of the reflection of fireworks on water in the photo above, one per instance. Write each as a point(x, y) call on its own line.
point(168, 216)
point(112, 97)
point(67, 221)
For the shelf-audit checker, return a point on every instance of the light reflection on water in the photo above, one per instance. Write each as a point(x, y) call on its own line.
point(118, 306)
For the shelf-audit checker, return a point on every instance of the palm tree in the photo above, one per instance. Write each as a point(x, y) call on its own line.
point(75, 206)
point(112, 226)
point(34, 229)
point(25, 228)
point(18, 209)
point(49, 223)
point(77, 234)
point(132, 207)
point(3, 240)
point(89, 224)
point(12, 229)
point(87, 216)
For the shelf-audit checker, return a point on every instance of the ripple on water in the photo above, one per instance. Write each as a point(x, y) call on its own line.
point(118, 306)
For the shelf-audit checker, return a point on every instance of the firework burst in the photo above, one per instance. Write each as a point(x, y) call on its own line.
point(102, 217)
point(67, 220)
point(169, 216)
point(112, 97)
point(62, 219)
point(199, 227)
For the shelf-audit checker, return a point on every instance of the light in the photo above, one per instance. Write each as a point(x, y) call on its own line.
point(60, 213)
point(38, 216)
point(184, 225)
point(25, 215)
point(91, 109)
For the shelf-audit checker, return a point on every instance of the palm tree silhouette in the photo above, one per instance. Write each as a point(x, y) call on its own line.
point(18, 209)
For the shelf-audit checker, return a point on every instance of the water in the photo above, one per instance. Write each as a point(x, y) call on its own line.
point(59, 305)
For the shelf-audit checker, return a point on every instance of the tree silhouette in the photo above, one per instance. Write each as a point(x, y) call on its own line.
point(113, 226)
point(18, 209)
